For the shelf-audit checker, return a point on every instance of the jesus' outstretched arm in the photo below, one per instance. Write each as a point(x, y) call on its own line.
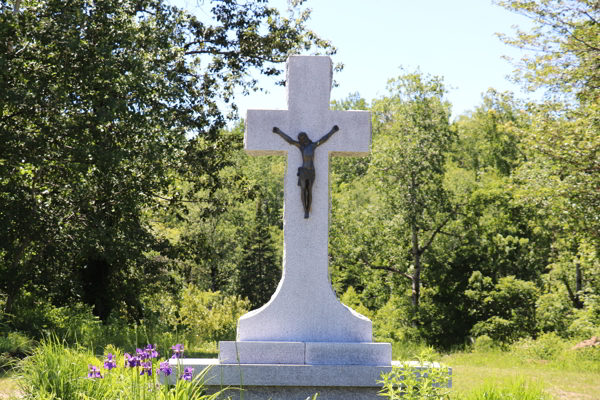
point(285, 137)
point(327, 136)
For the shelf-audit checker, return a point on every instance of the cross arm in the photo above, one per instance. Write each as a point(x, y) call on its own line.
point(328, 135)
point(258, 137)
point(285, 137)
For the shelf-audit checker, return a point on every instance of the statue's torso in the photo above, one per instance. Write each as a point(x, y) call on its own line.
point(308, 156)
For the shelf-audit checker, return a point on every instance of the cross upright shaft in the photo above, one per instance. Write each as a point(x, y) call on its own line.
point(304, 307)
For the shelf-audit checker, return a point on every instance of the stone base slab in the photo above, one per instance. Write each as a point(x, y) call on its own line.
point(298, 393)
point(223, 375)
point(288, 382)
point(306, 353)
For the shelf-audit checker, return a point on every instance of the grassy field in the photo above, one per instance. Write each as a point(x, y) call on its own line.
point(472, 370)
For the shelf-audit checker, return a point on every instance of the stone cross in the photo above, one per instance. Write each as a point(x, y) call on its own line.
point(304, 307)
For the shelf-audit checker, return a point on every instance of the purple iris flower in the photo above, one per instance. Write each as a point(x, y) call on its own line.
point(177, 351)
point(110, 362)
point(141, 354)
point(188, 374)
point(146, 368)
point(93, 372)
point(165, 368)
point(131, 361)
point(150, 350)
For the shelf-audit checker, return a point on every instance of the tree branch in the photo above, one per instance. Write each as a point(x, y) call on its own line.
point(391, 269)
point(434, 234)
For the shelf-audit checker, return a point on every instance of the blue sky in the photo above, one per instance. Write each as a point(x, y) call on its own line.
point(451, 38)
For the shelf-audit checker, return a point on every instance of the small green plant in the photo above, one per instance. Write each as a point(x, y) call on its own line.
point(420, 380)
point(483, 344)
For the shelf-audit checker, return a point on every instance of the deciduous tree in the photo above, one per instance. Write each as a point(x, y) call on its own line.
point(104, 107)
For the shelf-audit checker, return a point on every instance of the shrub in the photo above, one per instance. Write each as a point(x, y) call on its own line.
point(546, 347)
point(394, 321)
point(210, 316)
point(505, 310)
point(352, 300)
point(483, 344)
point(408, 382)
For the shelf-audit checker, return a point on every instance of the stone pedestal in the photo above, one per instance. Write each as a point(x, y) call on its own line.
point(289, 382)
point(306, 353)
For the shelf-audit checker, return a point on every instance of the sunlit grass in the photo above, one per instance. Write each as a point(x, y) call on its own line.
point(471, 371)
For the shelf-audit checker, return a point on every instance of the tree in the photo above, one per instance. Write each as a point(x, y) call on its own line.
point(562, 175)
point(487, 137)
point(566, 41)
point(259, 270)
point(105, 107)
point(565, 129)
point(409, 156)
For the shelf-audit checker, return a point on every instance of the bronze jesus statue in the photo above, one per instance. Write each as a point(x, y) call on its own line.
point(306, 173)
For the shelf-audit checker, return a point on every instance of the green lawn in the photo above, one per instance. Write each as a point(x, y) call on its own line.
point(470, 370)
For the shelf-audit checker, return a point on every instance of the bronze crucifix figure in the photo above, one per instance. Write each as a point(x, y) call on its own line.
point(306, 173)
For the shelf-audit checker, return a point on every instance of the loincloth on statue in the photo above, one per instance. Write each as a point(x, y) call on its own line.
point(305, 174)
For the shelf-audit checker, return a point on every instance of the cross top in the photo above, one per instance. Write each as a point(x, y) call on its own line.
point(308, 96)
point(304, 307)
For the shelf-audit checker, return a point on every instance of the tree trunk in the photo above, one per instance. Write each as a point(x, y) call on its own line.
point(416, 277)
point(578, 286)
point(9, 303)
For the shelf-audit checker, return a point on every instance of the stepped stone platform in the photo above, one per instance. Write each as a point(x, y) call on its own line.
point(290, 381)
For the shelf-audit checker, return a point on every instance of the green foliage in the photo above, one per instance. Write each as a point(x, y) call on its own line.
point(514, 389)
point(36, 318)
point(259, 269)
point(564, 133)
point(484, 343)
point(15, 344)
point(566, 37)
point(558, 353)
point(419, 380)
point(506, 310)
point(393, 321)
point(55, 371)
point(106, 109)
point(546, 347)
point(210, 316)
point(487, 136)
point(351, 299)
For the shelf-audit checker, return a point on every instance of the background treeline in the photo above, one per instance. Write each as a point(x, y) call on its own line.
point(127, 204)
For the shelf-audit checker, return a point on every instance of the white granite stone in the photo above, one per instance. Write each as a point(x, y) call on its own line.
point(304, 308)
point(283, 375)
point(261, 352)
point(373, 354)
point(297, 393)
point(278, 376)
point(311, 353)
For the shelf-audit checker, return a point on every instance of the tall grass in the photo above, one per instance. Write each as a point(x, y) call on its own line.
point(56, 371)
point(516, 389)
